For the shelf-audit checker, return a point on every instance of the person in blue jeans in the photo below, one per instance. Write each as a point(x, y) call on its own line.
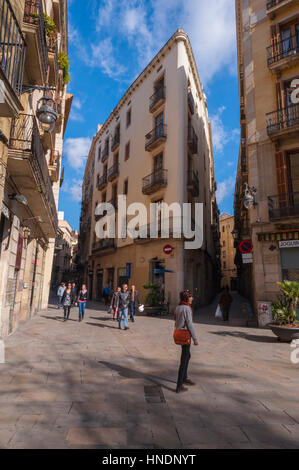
point(60, 293)
point(123, 306)
point(81, 301)
point(133, 299)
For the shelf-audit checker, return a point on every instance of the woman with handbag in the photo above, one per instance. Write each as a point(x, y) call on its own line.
point(184, 331)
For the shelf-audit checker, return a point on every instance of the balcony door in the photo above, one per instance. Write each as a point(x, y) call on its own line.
point(159, 125)
point(287, 171)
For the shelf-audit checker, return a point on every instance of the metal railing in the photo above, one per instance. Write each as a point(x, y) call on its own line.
point(191, 102)
point(273, 3)
point(283, 206)
point(113, 171)
point(34, 14)
point(193, 181)
point(12, 47)
point(282, 49)
point(116, 141)
point(157, 133)
point(192, 139)
point(105, 152)
point(54, 158)
point(24, 136)
point(103, 181)
point(283, 118)
point(157, 96)
point(103, 244)
point(155, 180)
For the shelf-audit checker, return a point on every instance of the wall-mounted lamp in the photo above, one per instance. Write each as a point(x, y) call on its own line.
point(18, 197)
point(249, 196)
point(46, 110)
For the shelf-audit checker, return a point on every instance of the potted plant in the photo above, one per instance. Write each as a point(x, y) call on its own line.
point(64, 64)
point(286, 325)
point(152, 301)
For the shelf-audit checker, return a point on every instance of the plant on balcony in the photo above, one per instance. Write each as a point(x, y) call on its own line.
point(50, 26)
point(64, 64)
point(284, 311)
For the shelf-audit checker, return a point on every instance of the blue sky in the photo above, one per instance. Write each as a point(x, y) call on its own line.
point(111, 41)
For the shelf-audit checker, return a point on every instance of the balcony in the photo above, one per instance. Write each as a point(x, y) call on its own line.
point(53, 61)
point(192, 140)
point(107, 245)
point(12, 55)
point(115, 142)
point(157, 99)
point(105, 153)
point(113, 172)
point(191, 103)
point(156, 137)
point(283, 206)
point(193, 183)
point(275, 7)
point(283, 54)
point(103, 181)
point(283, 122)
point(155, 181)
point(28, 167)
point(54, 166)
point(37, 50)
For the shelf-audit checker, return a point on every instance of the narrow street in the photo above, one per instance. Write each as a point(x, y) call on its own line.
point(90, 385)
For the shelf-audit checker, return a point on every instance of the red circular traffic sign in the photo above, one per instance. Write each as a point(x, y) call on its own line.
point(246, 246)
point(168, 249)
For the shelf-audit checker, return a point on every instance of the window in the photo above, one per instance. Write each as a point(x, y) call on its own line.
point(129, 116)
point(224, 265)
point(224, 254)
point(126, 183)
point(223, 243)
point(127, 151)
point(104, 196)
point(99, 153)
point(223, 229)
point(158, 162)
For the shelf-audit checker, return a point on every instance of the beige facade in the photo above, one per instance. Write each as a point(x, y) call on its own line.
point(30, 158)
point(155, 146)
point(66, 244)
point(228, 252)
point(268, 60)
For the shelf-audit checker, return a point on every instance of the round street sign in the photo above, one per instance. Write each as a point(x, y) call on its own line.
point(168, 249)
point(246, 246)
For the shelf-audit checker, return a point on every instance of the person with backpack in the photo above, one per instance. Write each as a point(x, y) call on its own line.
point(184, 331)
point(81, 301)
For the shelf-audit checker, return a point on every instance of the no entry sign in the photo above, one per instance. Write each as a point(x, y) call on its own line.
point(246, 246)
point(168, 249)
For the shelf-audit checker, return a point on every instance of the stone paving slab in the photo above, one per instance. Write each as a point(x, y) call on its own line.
point(83, 385)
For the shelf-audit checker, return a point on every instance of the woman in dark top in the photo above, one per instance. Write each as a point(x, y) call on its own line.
point(67, 301)
point(81, 300)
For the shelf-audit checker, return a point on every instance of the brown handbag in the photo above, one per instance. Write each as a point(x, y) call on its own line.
point(182, 337)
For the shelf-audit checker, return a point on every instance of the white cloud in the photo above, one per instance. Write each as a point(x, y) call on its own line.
point(225, 188)
point(74, 189)
point(76, 151)
point(221, 135)
point(103, 56)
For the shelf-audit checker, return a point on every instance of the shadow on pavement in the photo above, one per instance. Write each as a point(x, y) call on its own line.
point(240, 334)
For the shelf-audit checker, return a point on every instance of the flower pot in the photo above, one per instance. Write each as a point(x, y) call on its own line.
point(286, 333)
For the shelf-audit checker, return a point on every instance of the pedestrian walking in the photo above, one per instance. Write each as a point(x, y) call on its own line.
point(60, 293)
point(184, 331)
point(225, 303)
point(68, 300)
point(74, 289)
point(123, 306)
point(81, 301)
point(133, 299)
point(106, 294)
point(115, 303)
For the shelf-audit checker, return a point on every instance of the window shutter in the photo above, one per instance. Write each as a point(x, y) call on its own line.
point(282, 178)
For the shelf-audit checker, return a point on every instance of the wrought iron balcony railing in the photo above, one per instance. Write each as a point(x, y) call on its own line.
point(103, 181)
point(156, 135)
point(54, 158)
point(282, 49)
point(191, 102)
point(12, 47)
point(283, 206)
point(113, 171)
point(34, 14)
point(105, 152)
point(282, 119)
point(158, 96)
point(273, 3)
point(115, 142)
point(103, 244)
point(192, 140)
point(25, 137)
point(154, 181)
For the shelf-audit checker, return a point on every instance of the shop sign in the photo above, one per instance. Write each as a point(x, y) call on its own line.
point(247, 258)
point(289, 244)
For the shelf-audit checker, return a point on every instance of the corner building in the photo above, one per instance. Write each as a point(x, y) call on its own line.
point(156, 146)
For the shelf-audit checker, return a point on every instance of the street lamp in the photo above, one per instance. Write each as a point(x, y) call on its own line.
point(18, 197)
point(46, 110)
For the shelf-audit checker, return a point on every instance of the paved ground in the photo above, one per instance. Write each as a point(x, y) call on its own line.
point(89, 385)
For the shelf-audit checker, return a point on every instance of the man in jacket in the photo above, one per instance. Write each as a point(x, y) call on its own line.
point(60, 293)
point(123, 306)
point(134, 298)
